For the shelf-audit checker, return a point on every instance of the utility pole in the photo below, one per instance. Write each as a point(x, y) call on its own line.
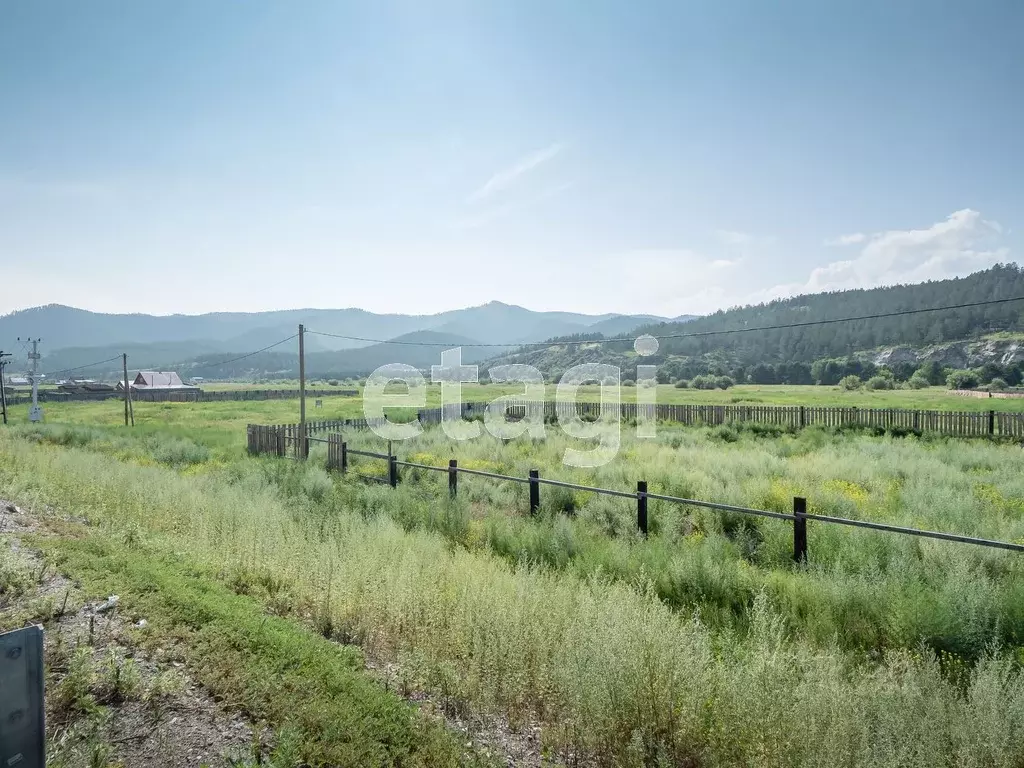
point(35, 413)
point(302, 391)
point(124, 363)
point(3, 389)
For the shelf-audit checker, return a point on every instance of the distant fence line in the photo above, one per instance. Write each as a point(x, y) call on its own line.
point(984, 393)
point(284, 439)
point(170, 396)
point(952, 423)
point(292, 440)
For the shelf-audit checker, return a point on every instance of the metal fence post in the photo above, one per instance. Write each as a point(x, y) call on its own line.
point(991, 422)
point(393, 470)
point(453, 477)
point(344, 456)
point(800, 529)
point(534, 492)
point(641, 506)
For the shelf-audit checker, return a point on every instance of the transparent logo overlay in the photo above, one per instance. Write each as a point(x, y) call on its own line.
point(504, 417)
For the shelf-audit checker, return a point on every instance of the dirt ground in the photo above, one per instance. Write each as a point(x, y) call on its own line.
point(154, 716)
point(152, 713)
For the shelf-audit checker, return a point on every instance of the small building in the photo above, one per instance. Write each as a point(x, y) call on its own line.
point(163, 381)
point(86, 388)
point(18, 381)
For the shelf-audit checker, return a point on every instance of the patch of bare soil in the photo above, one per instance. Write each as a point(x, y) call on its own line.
point(112, 703)
point(109, 703)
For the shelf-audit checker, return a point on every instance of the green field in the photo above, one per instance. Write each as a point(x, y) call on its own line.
point(232, 416)
point(702, 644)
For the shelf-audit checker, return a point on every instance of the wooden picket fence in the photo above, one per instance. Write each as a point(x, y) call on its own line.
point(285, 439)
point(292, 440)
point(952, 423)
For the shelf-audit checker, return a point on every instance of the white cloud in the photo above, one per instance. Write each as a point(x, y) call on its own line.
point(506, 177)
point(851, 239)
point(961, 244)
point(500, 211)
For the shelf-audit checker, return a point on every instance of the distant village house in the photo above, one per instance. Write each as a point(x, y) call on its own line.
point(162, 381)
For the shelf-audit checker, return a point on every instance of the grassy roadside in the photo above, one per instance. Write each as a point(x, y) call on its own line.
point(606, 670)
point(271, 668)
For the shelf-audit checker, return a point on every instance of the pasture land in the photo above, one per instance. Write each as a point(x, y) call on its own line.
point(703, 644)
point(228, 417)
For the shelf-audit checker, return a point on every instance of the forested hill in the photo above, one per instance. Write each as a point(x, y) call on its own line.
point(809, 343)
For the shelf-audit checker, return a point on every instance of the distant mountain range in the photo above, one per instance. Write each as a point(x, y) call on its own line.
point(195, 343)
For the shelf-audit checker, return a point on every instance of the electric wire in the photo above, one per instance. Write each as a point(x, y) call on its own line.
point(694, 335)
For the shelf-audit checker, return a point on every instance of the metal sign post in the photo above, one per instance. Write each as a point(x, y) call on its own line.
point(22, 716)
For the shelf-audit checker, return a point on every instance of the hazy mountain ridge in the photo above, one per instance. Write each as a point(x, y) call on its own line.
point(74, 337)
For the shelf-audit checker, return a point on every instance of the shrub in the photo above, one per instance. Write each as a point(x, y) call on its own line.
point(918, 381)
point(628, 383)
point(178, 451)
point(879, 382)
point(332, 382)
point(723, 382)
point(849, 383)
point(703, 382)
point(316, 483)
point(682, 384)
point(997, 385)
point(962, 380)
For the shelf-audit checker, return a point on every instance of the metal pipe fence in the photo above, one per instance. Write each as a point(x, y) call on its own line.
point(338, 458)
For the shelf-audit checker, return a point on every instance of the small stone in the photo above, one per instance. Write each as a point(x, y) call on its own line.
point(110, 603)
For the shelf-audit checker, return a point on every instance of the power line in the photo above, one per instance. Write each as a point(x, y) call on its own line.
point(248, 354)
point(81, 367)
point(696, 334)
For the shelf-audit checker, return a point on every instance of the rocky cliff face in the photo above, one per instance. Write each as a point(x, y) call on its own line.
point(957, 354)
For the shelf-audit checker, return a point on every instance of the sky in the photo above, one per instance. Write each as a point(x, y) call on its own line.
point(593, 156)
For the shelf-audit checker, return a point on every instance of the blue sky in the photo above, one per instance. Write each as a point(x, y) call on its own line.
point(662, 157)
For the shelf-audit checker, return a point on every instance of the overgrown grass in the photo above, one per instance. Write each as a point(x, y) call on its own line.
point(272, 669)
point(604, 664)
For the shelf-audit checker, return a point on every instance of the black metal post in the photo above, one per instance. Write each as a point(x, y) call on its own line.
point(800, 529)
point(344, 456)
point(534, 491)
point(641, 506)
point(991, 422)
point(393, 470)
point(453, 477)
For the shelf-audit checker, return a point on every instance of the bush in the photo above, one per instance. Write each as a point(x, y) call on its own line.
point(962, 380)
point(703, 382)
point(682, 384)
point(997, 385)
point(849, 383)
point(918, 381)
point(879, 382)
point(628, 383)
point(723, 382)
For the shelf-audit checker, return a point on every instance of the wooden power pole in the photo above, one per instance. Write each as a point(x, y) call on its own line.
point(302, 391)
point(124, 363)
point(3, 389)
